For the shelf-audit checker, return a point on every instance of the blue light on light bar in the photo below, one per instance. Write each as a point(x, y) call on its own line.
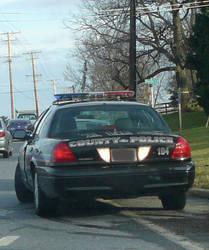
point(70, 96)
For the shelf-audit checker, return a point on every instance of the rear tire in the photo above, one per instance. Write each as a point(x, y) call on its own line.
point(174, 202)
point(23, 194)
point(43, 205)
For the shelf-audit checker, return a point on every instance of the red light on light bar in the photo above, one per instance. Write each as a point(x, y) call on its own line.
point(120, 93)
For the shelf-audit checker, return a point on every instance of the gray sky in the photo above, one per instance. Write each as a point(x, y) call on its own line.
point(41, 26)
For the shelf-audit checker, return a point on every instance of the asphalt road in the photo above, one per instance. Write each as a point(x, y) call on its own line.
point(116, 225)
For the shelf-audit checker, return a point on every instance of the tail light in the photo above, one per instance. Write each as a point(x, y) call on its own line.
point(181, 149)
point(62, 153)
point(2, 133)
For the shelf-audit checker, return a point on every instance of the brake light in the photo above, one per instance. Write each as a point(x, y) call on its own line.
point(181, 149)
point(62, 153)
point(2, 133)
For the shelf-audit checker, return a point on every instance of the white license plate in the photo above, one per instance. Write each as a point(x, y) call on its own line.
point(123, 155)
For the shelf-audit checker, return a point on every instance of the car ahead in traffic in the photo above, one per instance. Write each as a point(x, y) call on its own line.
point(18, 124)
point(26, 115)
point(6, 146)
point(124, 149)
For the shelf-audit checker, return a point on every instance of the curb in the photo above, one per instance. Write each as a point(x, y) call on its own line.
point(199, 192)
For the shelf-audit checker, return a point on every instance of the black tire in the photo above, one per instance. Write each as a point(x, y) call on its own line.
point(43, 205)
point(5, 154)
point(174, 202)
point(23, 194)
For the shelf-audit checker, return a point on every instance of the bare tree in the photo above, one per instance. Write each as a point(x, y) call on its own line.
point(162, 31)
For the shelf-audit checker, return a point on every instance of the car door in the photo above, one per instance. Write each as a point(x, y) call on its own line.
point(27, 150)
point(31, 147)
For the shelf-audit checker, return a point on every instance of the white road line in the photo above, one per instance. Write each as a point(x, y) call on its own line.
point(177, 239)
point(4, 213)
point(171, 236)
point(6, 241)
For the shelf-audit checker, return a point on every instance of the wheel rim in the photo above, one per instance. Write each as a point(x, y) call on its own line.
point(36, 192)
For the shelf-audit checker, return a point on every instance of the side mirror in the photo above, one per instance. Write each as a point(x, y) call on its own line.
point(30, 128)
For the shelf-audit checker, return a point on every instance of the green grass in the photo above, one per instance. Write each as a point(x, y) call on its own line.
point(193, 129)
point(189, 120)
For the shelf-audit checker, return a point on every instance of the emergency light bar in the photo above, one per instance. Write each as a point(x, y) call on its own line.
point(94, 96)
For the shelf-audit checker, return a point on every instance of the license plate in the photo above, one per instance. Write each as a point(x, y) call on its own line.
point(123, 155)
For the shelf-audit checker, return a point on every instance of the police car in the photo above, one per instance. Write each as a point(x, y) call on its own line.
point(102, 145)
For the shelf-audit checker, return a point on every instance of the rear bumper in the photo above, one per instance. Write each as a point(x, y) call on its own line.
point(117, 182)
point(12, 131)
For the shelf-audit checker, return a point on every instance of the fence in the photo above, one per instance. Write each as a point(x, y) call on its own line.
point(166, 108)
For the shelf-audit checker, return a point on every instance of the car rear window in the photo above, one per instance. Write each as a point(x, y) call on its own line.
point(27, 116)
point(87, 120)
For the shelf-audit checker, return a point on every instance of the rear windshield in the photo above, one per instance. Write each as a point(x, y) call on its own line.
point(27, 116)
point(99, 119)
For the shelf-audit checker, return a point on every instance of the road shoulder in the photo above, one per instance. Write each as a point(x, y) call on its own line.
point(199, 192)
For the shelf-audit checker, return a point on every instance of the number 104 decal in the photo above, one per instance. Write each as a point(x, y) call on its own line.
point(163, 151)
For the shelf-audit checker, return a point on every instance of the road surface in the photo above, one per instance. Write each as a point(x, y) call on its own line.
point(101, 225)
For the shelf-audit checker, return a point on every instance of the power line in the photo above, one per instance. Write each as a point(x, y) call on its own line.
point(29, 48)
point(158, 9)
point(196, 3)
point(10, 13)
point(171, 9)
point(30, 20)
point(23, 91)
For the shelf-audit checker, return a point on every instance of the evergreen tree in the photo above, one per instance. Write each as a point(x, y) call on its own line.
point(198, 58)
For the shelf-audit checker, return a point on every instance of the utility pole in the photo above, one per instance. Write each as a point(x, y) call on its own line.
point(34, 75)
point(10, 69)
point(84, 76)
point(54, 83)
point(132, 47)
point(68, 89)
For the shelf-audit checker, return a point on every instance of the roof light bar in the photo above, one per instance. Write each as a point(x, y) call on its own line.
point(118, 95)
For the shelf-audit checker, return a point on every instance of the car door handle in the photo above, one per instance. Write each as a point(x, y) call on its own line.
point(37, 151)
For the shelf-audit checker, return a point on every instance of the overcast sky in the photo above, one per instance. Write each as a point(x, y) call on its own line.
point(42, 29)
